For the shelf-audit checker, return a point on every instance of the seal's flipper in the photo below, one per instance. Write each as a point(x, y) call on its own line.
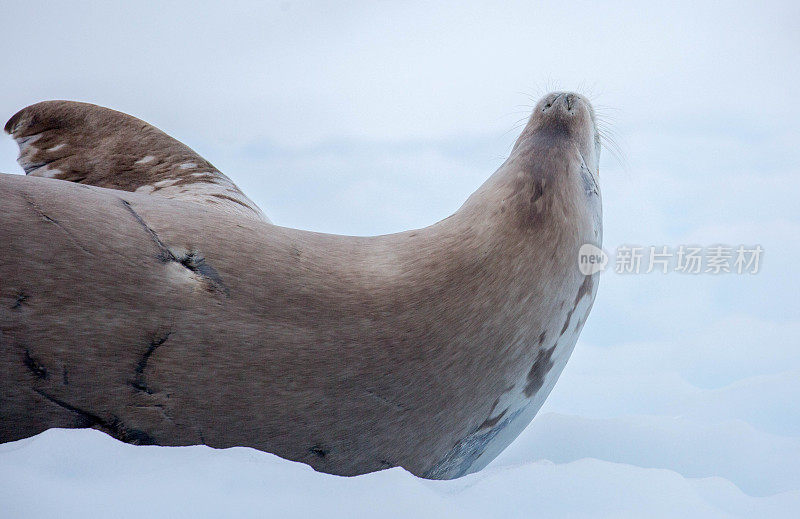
point(89, 144)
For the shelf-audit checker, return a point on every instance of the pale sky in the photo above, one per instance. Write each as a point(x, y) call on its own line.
point(377, 117)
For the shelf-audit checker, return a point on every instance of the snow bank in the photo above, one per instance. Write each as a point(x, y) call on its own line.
point(75, 473)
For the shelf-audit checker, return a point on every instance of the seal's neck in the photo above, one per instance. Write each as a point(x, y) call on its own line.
point(537, 190)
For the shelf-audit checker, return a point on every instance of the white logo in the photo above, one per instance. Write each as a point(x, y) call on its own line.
point(591, 259)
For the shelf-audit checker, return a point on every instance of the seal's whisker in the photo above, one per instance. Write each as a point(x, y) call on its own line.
point(517, 112)
point(607, 132)
point(605, 114)
point(522, 119)
point(593, 93)
point(605, 107)
point(603, 117)
point(588, 91)
point(517, 126)
point(606, 129)
point(609, 143)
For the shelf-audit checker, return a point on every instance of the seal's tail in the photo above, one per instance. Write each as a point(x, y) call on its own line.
point(89, 144)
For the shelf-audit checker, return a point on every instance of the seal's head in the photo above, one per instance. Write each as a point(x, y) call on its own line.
point(551, 181)
point(564, 119)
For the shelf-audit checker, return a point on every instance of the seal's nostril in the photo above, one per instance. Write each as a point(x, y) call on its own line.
point(570, 99)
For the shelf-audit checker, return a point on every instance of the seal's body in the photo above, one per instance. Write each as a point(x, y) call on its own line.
point(189, 318)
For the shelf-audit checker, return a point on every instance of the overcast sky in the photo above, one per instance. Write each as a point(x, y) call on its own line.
point(369, 118)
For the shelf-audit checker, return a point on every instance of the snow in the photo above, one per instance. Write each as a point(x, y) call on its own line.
point(682, 460)
point(69, 473)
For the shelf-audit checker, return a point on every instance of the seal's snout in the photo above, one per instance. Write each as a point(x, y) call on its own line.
point(567, 102)
point(565, 121)
point(567, 114)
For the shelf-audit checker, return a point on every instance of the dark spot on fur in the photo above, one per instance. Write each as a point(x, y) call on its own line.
point(87, 419)
point(377, 396)
point(164, 252)
point(49, 219)
point(34, 366)
point(154, 344)
point(589, 184)
point(230, 198)
point(318, 451)
point(114, 427)
point(579, 324)
point(195, 262)
point(494, 405)
point(122, 432)
point(139, 437)
point(541, 366)
point(138, 381)
point(192, 260)
point(538, 190)
point(460, 458)
point(566, 322)
point(189, 179)
point(585, 288)
point(492, 421)
point(19, 300)
point(537, 215)
point(140, 386)
point(64, 376)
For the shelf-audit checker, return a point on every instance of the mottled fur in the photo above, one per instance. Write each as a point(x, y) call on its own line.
point(89, 144)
